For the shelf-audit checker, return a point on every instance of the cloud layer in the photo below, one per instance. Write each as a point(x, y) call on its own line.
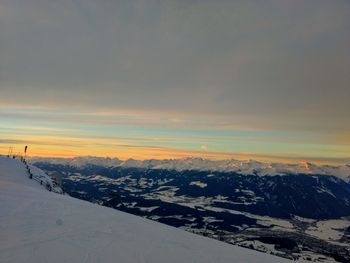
point(227, 65)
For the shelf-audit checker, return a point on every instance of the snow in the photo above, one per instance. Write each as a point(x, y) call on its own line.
point(245, 167)
point(329, 230)
point(81, 161)
point(148, 209)
point(199, 184)
point(41, 226)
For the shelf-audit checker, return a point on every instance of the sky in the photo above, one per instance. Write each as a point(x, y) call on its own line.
point(267, 80)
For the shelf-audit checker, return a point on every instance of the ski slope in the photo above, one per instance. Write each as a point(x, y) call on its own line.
point(41, 226)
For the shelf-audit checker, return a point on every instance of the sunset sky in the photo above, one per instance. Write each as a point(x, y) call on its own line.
point(268, 80)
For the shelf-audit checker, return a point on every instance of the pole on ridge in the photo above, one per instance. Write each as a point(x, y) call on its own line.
point(25, 151)
point(10, 151)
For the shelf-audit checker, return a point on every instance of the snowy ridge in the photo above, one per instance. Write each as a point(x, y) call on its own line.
point(247, 167)
point(41, 226)
point(42, 178)
point(81, 161)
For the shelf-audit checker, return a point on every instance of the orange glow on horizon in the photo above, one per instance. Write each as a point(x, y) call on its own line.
point(144, 153)
point(71, 146)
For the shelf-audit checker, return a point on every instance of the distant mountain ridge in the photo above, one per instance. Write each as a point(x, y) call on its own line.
point(245, 167)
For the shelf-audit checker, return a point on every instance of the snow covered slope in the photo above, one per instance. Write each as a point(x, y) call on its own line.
point(40, 226)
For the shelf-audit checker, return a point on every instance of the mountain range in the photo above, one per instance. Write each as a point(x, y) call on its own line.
point(245, 167)
point(42, 226)
point(297, 211)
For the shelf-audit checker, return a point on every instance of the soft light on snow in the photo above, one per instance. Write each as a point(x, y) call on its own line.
point(41, 226)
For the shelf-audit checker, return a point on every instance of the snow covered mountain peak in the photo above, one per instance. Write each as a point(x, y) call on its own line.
point(80, 161)
point(246, 167)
